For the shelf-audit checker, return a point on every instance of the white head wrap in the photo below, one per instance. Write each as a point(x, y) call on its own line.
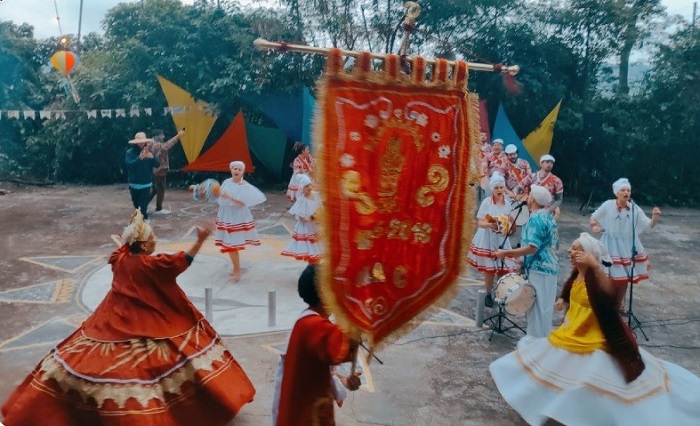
point(511, 149)
point(620, 184)
point(496, 179)
point(594, 247)
point(137, 230)
point(546, 157)
point(237, 163)
point(541, 195)
point(303, 180)
point(495, 141)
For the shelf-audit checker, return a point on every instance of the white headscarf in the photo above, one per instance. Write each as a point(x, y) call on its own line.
point(620, 184)
point(496, 179)
point(541, 195)
point(303, 180)
point(237, 163)
point(594, 247)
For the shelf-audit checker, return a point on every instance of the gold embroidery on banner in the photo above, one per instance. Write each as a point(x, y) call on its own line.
point(421, 233)
point(400, 276)
point(376, 306)
point(390, 167)
point(352, 186)
point(439, 179)
point(363, 240)
point(399, 230)
point(378, 274)
point(393, 124)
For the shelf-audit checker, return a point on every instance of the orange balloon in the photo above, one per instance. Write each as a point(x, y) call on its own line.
point(64, 61)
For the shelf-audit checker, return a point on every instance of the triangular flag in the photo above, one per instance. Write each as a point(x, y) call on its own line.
point(148, 111)
point(45, 114)
point(196, 121)
point(120, 112)
point(504, 130)
point(92, 113)
point(539, 141)
point(106, 113)
point(232, 145)
point(134, 112)
point(29, 114)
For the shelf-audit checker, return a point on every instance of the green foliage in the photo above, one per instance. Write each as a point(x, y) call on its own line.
point(565, 49)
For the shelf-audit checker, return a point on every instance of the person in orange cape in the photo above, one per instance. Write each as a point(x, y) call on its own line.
point(315, 344)
point(145, 356)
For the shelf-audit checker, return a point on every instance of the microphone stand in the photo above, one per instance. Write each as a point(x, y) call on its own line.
point(497, 320)
point(632, 320)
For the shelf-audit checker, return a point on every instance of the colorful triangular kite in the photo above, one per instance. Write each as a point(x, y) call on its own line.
point(232, 145)
point(191, 114)
point(504, 130)
point(539, 141)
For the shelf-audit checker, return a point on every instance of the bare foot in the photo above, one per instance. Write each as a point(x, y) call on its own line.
point(236, 276)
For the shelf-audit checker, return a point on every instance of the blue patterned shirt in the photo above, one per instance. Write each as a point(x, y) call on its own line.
point(541, 232)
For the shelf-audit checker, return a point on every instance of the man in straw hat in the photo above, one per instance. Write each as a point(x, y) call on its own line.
point(140, 163)
point(544, 177)
point(540, 264)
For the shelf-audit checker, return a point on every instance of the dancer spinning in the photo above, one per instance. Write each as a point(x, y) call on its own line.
point(621, 222)
point(235, 227)
point(304, 243)
point(482, 251)
point(590, 370)
point(145, 356)
point(303, 164)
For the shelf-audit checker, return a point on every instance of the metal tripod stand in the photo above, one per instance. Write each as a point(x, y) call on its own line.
point(632, 320)
point(501, 323)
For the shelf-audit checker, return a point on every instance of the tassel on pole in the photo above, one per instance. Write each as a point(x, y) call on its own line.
point(262, 44)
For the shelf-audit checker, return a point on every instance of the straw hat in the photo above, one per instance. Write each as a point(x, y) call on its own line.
point(140, 137)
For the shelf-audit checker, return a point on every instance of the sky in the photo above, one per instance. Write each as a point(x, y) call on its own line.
point(42, 14)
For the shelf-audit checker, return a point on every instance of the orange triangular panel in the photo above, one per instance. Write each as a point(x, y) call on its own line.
point(231, 146)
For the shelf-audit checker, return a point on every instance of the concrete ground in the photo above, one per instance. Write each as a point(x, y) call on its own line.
point(53, 253)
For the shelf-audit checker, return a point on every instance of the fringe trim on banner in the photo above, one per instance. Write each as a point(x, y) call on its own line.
point(443, 77)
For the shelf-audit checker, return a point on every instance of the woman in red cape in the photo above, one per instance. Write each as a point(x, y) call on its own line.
point(146, 355)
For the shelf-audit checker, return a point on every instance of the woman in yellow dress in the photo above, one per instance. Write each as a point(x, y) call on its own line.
point(590, 371)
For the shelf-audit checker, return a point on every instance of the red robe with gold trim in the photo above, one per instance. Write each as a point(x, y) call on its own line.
point(146, 356)
point(306, 397)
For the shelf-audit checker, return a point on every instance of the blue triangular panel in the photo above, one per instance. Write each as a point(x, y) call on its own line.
point(504, 130)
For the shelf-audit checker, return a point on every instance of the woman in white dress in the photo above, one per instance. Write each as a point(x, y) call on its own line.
point(590, 371)
point(621, 223)
point(304, 244)
point(487, 239)
point(235, 227)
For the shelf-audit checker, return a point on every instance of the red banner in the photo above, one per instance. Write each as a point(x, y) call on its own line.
point(395, 154)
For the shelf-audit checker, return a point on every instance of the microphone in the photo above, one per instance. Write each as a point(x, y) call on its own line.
point(518, 205)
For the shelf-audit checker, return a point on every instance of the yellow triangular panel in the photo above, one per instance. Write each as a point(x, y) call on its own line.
point(539, 141)
point(193, 115)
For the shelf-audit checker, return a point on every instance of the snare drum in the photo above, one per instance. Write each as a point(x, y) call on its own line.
point(515, 294)
point(524, 215)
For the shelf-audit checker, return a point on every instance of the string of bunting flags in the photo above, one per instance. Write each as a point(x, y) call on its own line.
point(91, 113)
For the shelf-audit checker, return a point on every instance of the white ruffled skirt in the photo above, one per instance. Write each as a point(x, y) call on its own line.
point(482, 253)
point(541, 382)
point(304, 244)
point(235, 228)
